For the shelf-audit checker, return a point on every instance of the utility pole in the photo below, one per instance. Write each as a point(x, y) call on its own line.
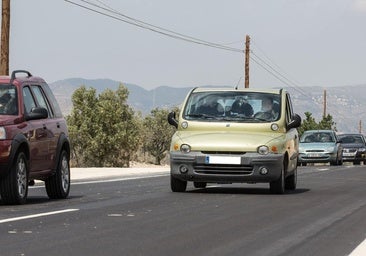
point(5, 31)
point(325, 104)
point(360, 127)
point(246, 71)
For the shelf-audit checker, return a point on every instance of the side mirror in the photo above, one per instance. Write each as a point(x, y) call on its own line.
point(295, 122)
point(37, 113)
point(172, 120)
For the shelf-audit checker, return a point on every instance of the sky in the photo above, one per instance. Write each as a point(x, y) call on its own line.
point(293, 42)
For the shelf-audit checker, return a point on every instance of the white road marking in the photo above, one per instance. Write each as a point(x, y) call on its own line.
point(119, 179)
point(360, 250)
point(37, 215)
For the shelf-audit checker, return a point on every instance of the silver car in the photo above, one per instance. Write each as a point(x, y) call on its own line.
point(320, 146)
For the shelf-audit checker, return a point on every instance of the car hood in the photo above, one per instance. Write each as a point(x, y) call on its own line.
point(353, 145)
point(317, 146)
point(8, 120)
point(223, 141)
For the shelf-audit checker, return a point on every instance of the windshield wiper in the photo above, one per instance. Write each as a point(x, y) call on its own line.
point(205, 116)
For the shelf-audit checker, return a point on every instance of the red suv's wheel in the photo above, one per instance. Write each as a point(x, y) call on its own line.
point(58, 185)
point(14, 186)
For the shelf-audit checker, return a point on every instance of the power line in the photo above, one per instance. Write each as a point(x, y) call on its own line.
point(105, 10)
point(169, 33)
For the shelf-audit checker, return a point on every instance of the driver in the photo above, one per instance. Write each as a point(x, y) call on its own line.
point(268, 108)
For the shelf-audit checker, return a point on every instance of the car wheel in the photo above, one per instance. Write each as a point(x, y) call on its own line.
point(58, 185)
point(278, 186)
point(177, 185)
point(340, 162)
point(291, 181)
point(14, 186)
point(199, 184)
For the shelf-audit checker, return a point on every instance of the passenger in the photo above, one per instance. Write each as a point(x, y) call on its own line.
point(242, 107)
point(211, 107)
point(8, 105)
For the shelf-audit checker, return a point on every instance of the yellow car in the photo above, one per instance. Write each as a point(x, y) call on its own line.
point(235, 136)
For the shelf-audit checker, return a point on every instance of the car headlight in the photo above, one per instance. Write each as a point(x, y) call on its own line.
point(332, 149)
point(2, 133)
point(263, 150)
point(362, 149)
point(184, 148)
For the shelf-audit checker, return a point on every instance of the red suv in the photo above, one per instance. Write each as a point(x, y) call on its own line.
point(34, 141)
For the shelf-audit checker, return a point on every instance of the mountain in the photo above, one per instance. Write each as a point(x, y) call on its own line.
point(346, 104)
point(139, 99)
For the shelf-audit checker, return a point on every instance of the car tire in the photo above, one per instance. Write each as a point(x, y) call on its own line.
point(340, 162)
point(58, 185)
point(177, 185)
point(278, 186)
point(291, 181)
point(199, 184)
point(14, 186)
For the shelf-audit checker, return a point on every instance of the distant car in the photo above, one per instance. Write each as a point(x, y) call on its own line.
point(354, 148)
point(320, 146)
point(34, 140)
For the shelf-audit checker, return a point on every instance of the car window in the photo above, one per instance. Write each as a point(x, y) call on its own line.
point(352, 139)
point(41, 99)
point(8, 100)
point(29, 102)
point(53, 102)
point(233, 106)
point(316, 137)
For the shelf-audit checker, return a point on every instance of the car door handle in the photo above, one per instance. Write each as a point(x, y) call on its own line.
point(58, 125)
point(44, 127)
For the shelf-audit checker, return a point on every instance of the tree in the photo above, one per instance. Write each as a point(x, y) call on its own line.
point(103, 129)
point(309, 123)
point(158, 134)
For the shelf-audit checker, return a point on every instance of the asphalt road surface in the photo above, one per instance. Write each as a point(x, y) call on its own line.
point(326, 215)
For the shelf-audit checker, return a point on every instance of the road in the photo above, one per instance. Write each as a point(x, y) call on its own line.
point(141, 216)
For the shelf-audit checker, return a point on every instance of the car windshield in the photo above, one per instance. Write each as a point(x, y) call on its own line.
point(233, 106)
point(8, 100)
point(350, 139)
point(316, 137)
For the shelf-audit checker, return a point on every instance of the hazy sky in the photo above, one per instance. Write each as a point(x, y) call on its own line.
point(307, 42)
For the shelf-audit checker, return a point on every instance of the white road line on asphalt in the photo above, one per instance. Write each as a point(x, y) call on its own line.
point(118, 179)
point(37, 215)
point(360, 250)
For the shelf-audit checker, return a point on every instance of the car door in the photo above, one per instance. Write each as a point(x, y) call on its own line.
point(292, 135)
point(36, 134)
point(50, 128)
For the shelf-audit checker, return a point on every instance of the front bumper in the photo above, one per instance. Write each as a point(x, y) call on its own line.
point(350, 155)
point(318, 157)
point(225, 168)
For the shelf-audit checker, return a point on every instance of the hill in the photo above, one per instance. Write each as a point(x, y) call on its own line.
point(346, 104)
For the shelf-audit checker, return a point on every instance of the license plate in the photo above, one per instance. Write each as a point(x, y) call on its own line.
point(314, 155)
point(349, 154)
point(223, 160)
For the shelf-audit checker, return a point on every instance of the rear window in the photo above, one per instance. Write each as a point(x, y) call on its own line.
point(8, 100)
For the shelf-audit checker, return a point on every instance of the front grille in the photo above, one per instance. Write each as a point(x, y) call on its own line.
point(315, 150)
point(223, 169)
point(222, 153)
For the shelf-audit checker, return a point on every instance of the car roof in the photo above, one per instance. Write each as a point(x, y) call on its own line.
point(21, 79)
point(230, 89)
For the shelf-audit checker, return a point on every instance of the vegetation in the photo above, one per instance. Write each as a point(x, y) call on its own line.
point(105, 132)
point(309, 123)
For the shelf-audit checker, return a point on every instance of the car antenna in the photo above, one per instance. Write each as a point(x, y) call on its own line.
point(236, 87)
